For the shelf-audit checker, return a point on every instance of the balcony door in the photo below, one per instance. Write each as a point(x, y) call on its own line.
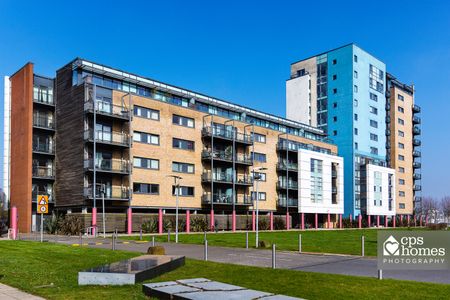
point(103, 160)
point(103, 132)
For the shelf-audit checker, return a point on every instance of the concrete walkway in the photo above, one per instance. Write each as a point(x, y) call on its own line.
point(10, 293)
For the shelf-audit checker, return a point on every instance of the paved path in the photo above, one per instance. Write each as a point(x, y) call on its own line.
point(10, 293)
point(332, 264)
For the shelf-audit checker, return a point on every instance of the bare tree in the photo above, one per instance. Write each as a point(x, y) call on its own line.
point(430, 208)
point(445, 206)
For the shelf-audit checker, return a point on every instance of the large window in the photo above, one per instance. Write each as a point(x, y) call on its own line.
point(374, 150)
point(183, 167)
point(183, 191)
point(260, 138)
point(316, 180)
point(373, 137)
point(261, 196)
point(147, 138)
point(261, 157)
point(183, 144)
point(146, 163)
point(376, 79)
point(377, 188)
point(147, 113)
point(146, 188)
point(183, 121)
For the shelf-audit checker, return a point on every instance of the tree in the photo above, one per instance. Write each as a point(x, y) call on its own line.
point(445, 206)
point(430, 208)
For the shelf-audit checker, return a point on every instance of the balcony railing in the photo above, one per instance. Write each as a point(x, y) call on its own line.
point(417, 165)
point(44, 148)
point(115, 138)
point(416, 142)
point(112, 192)
point(417, 188)
point(290, 185)
point(217, 177)
point(417, 176)
point(416, 130)
point(417, 153)
point(291, 202)
point(107, 108)
point(227, 134)
point(416, 108)
point(295, 147)
point(226, 156)
point(416, 120)
point(43, 122)
point(226, 199)
point(109, 165)
point(290, 166)
point(244, 180)
point(43, 172)
point(44, 99)
point(243, 159)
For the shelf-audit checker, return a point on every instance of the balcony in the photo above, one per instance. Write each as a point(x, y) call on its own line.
point(44, 99)
point(44, 148)
point(287, 166)
point(51, 198)
point(416, 130)
point(108, 109)
point(226, 157)
point(43, 122)
point(416, 120)
point(42, 172)
point(417, 198)
point(388, 119)
point(417, 176)
point(334, 174)
point(244, 180)
point(110, 138)
point(417, 188)
point(416, 142)
point(223, 199)
point(291, 202)
point(417, 165)
point(388, 106)
point(108, 165)
point(227, 134)
point(417, 153)
point(334, 190)
point(112, 193)
point(416, 108)
point(388, 132)
point(217, 177)
point(293, 185)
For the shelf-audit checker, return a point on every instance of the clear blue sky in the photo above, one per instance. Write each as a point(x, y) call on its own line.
point(241, 50)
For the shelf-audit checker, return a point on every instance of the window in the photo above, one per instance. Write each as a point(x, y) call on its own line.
point(147, 113)
point(401, 169)
point(355, 102)
point(355, 116)
point(355, 74)
point(146, 188)
point(401, 181)
point(335, 119)
point(373, 150)
point(183, 167)
point(334, 104)
point(356, 146)
point(373, 123)
point(373, 97)
point(376, 79)
point(355, 88)
point(316, 180)
point(401, 133)
point(261, 157)
point(183, 121)
point(401, 205)
point(146, 163)
point(401, 109)
point(183, 144)
point(374, 110)
point(335, 91)
point(260, 138)
point(401, 193)
point(147, 138)
point(355, 58)
point(334, 132)
point(356, 131)
point(374, 137)
point(183, 191)
point(400, 97)
point(260, 176)
point(401, 146)
point(261, 196)
point(334, 77)
point(334, 61)
point(401, 121)
point(401, 157)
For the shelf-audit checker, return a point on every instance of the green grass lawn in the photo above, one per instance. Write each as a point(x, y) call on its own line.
point(50, 270)
point(320, 241)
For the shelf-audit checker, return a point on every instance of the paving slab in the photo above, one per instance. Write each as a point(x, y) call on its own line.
point(9, 293)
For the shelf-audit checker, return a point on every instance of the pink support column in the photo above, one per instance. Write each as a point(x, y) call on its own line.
point(408, 219)
point(401, 220)
point(328, 222)
point(271, 220)
point(316, 221)
point(288, 221)
point(351, 218)
point(14, 222)
point(303, 221)
point(394, 220)
point(129, 220)
point(233, 221)
point(386, 224)
point(378, 221)
point(212, 225)
point(94, 221)
point(415, 221)
point(253, 220)
point(188, 221)
point(340, 221)
point(368, 221)
point(421, 219)
point(359, 221)
point(160, 221)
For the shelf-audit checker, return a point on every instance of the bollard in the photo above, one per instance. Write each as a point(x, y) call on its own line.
point(153, 241)
point(168, 236)
point(299, 243)
point(113, 243)
point(81, 239)
point(274, 257)
point(140, 233)
point(246, 240)
point(380, 274)
point(204, 236)
point(362, 245)
point(206, 250)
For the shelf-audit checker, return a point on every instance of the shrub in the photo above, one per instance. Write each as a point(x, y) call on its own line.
point(156, 250)
point(170, 222)
point(52, 225)
point(440, 226)
point(71, 225)
point(150, 226)
point(263, 224)
point(199, 224)
point(264, 244)
point(279, 223)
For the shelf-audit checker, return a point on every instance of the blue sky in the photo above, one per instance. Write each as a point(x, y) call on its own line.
point(241, 50)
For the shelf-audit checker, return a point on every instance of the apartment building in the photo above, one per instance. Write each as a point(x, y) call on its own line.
point(95, 134)
point(345, 92)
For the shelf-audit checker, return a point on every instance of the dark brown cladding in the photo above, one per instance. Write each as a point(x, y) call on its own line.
point(21, 144)
point(69, 140)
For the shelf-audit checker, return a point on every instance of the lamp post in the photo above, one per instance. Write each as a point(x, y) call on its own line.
point(177, 189)
point(103, 190)
point(257, 178)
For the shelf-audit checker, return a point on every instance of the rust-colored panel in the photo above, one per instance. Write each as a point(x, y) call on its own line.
point(21, 144)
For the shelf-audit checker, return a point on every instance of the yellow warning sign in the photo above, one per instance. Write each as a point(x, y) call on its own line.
point(42, 204)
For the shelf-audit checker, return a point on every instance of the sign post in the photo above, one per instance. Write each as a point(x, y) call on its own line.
point(42, 208)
